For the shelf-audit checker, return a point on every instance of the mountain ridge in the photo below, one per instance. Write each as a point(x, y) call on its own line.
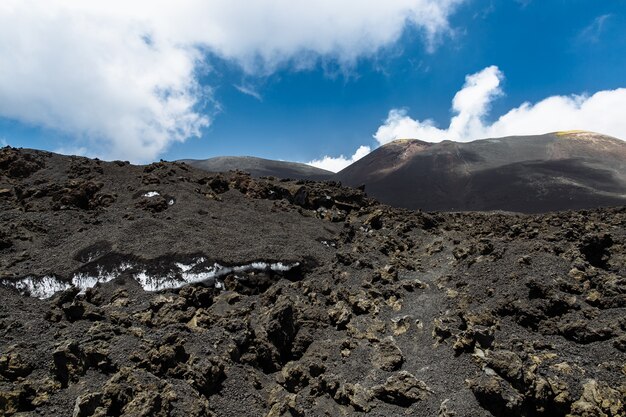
point(259, 167)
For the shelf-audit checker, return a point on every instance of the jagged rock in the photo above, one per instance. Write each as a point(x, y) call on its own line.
point(401, 389)
point(340, 314)
point(507, 364)
point(441, 331)
point(400, 325)
point(362, 327)
point(80, 310)
point(387, 355)
point(86, 405)
point(167, 357)
point(282, 326)
point(78, 193)
point(136, 393)
point(18, 399)
point(585, 332)
point(495, 395)
point(282, 404)
point(374, 220)
point(19, 164)
point(205, 374)
point(356, 395)
point(550, 395)
point(294, 377)
point(620, 343)
point(411, 285)
point(599, 400)
point(13, 366)
point(69, 362)
point(217, 183)
point(154, 204)
point(362, 304)
point(72, 361)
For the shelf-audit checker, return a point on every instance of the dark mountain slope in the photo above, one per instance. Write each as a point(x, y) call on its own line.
point(259, 167)
point(561, 171)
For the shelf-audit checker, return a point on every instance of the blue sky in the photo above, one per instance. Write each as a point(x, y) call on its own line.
point(281, 91)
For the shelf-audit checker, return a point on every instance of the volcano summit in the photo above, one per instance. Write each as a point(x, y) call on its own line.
point(557, 171)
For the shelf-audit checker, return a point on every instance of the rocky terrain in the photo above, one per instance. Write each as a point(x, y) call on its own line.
point(162, 290)
point(530, 174)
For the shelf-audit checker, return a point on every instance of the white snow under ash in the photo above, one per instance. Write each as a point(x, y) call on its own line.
point(151, 194)
point(44, 287)
point(189, 274)
point(85, 281)
point(47, 286)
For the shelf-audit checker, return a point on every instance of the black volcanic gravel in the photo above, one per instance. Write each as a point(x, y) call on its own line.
point(385, 312)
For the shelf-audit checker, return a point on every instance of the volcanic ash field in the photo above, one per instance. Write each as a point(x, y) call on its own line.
point(162, 290)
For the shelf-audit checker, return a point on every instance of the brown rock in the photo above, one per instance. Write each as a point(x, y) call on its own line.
point(598, 400)
point(507, 364)
point(86, 405)
point(356, 395)
point(13, 366)
point(340, 314)
point(387, 355)
point(495, 395)
point(401, 389)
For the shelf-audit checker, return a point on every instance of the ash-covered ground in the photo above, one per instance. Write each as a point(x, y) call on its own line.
point(164, 291)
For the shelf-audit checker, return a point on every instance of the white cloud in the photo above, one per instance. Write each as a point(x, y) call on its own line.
point(248, 90)
point(336, 164)
point(91, 75)
point(74, 150)
point(601, 112)
point(122, 77)
point(470, 104)
point(593, 32)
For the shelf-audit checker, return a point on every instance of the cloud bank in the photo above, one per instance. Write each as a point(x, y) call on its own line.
point(602, 112)
point(336, 164)
point(121, 78)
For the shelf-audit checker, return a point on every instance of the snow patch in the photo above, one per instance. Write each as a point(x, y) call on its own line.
point(151, 194)
point(47, 286)
point(84, 281)
point(43, 287)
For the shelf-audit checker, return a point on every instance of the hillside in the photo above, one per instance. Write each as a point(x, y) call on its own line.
point(162, 290)
point(259, 167)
